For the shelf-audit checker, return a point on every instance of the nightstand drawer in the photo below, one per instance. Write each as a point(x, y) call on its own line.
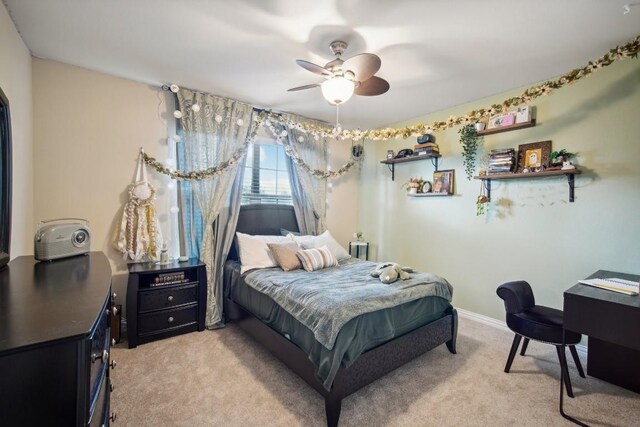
point(167, 319)
point(158, 299)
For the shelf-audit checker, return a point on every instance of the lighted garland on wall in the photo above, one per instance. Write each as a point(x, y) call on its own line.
point(628, 50)
point(267, 118)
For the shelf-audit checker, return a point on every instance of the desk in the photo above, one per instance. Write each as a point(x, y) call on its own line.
point(611, 320)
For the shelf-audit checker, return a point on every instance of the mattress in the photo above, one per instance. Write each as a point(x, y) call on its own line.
point(358, 335)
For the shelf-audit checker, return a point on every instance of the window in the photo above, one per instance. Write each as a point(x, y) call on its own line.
point(266, 174)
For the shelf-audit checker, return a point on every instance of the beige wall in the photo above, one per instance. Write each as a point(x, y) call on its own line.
point(531, 231)
point(15, 81)
point(88, 127)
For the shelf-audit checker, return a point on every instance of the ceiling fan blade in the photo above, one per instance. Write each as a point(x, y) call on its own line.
point(363, 66)
point(371, 87)
point(293, 89)
point(310, 66)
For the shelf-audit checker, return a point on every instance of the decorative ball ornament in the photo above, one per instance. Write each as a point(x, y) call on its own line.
point(301, 139)
point(240, 122)
point(195, 108)
point(174, 88)
point(218, 118)
point(176, 138)
point(284, 133)
point(177, 114)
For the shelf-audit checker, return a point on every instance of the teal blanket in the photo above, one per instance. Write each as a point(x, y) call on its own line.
point(325, 300)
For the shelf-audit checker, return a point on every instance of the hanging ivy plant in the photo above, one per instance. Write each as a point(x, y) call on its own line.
point(470, 141)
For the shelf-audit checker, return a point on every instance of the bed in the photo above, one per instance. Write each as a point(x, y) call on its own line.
point(361, 353)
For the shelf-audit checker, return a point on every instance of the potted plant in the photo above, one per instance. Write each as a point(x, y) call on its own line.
point(470, 141)
point(556, 158)
point(413, 185)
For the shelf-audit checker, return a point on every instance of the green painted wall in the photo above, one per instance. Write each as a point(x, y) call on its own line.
point(531, 231)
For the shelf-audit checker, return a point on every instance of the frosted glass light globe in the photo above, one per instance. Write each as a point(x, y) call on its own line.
point(337, 90)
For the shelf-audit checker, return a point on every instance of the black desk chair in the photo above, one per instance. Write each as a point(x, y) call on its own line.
point(536, 322)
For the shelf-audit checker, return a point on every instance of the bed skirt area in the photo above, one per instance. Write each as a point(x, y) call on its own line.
point(370, 365)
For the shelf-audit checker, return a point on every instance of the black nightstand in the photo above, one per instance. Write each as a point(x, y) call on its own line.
point(165, 300)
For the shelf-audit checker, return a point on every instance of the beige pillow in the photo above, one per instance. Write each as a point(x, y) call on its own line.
point(285, 255)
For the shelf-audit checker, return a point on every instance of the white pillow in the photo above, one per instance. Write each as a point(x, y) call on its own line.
point(254, 252)
point(325, 239)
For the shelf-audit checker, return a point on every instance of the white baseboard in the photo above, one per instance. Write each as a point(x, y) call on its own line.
point(498, 324)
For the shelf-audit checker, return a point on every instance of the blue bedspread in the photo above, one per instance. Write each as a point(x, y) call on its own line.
point(325, 300)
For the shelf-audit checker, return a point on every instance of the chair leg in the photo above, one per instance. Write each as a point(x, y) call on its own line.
point(576, 359)
point(524, 346)
point(512, 353)
point(563, 365)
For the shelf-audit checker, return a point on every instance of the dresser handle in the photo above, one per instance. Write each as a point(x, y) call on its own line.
point(104, 356)
point(170, 319)
point(114, 295)
point(170, 298)
point(113, 364)
point(111, 387)
point(113, 417)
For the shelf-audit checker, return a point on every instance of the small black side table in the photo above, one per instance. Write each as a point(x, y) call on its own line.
point(359, 246)
point(165, 300)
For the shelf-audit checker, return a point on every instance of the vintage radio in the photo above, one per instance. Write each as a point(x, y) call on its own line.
point(61, 238)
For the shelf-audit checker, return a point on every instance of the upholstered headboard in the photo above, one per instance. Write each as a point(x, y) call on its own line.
point(265, 220)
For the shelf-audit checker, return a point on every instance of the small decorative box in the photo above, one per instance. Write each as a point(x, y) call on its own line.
point(523, 114)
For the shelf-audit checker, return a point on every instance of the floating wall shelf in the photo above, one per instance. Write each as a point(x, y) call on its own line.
point(391, 163)
point(430, 195)
point(500, 129)
point(570, 174)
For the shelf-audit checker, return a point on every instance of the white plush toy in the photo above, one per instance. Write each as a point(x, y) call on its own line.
point(390, 272)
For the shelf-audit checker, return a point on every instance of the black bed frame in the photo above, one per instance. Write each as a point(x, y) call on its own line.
point(370, 366)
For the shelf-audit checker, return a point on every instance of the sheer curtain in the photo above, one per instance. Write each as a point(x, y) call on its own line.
point(309, 193)
point(211, 134)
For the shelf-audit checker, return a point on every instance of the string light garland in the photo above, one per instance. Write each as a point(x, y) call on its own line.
point(628, 50)
point(268, 118)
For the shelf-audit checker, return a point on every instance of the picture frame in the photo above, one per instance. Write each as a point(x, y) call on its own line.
point(533, 157)
point(444, 181)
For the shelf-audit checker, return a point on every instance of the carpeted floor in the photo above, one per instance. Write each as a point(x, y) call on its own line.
point(224, 378)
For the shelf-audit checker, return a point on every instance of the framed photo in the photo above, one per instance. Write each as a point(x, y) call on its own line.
point(443, 181)
point(533, 157)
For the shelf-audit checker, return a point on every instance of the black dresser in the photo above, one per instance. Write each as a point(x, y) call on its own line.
point(54, 342)
point(165, 300)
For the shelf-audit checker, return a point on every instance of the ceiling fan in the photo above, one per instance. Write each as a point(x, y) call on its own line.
point(343, 78)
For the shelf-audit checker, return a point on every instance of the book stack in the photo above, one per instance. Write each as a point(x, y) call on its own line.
point(502, 160)
point(430, 149)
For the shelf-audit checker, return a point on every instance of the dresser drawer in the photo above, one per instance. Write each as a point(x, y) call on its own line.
point(99, 353)
point(158, 299)
point(100, 405)
point(167, 319)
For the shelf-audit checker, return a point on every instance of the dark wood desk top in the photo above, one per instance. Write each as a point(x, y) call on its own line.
point(587, 291)
point(46, 301)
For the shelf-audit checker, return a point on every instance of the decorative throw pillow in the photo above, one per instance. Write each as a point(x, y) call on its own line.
point(285, 255)
point(254, 252)
point(317, 258)
point(325, 239)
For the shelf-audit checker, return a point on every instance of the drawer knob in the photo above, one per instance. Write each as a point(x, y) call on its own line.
point(113, 364)
point(114, 310)
point(114, 295)
point(104, 356)
point(113, 417)
point(113, 341)
point(170, 319)
point(170, 298)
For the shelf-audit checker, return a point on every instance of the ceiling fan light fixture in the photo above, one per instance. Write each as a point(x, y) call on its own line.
point(337, 90)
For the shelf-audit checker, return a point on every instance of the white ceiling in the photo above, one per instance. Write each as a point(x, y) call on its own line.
point(435, 54)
